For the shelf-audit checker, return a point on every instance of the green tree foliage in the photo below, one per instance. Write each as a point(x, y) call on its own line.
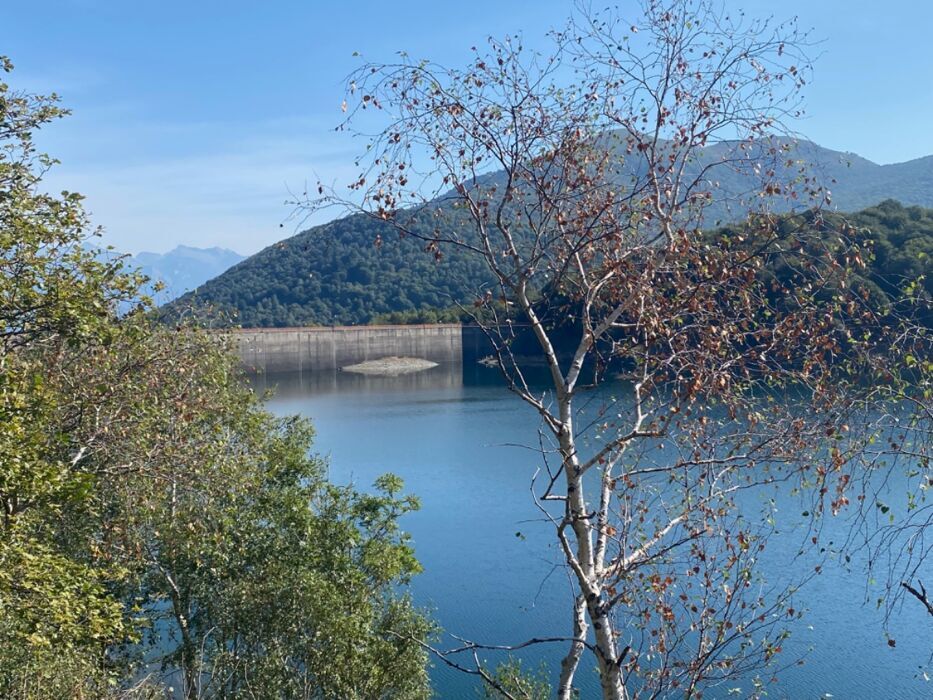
point(891, 276)
point(336, 274)
point(52, 297)
point(159, 528)
point(516, 682)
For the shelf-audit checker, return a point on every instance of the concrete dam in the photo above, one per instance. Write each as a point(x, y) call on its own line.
point(333, 347)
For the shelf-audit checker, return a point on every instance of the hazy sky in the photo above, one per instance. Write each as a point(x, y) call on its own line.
point(193, 120)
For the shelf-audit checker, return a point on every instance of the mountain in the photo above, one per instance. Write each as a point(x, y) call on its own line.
point(183, 268)
point(858, 183)
point(855, 182)
point(335, 274)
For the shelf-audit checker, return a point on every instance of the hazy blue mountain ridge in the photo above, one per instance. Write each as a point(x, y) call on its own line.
point(183, 268)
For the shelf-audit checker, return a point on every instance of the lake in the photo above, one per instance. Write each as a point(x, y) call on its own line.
point(491, 572)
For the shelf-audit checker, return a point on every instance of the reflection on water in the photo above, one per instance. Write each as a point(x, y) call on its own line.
point(292, 384)
point(449, 432)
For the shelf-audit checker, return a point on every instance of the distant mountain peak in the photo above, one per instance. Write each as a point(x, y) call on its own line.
point(182, 248)
point(184, 268)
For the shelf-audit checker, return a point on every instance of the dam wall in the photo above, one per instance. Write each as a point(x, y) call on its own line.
point(333, 347)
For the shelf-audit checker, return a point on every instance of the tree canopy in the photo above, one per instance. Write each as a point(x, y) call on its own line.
point(159, 528)
point(336, 274)
point(768, 355)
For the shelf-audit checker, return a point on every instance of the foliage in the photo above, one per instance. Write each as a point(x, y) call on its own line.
point(451, 314)
point(581, 181)
point(337, 274)
point(891, 274)
point(287, 584)
point(55, 607)
point(159, 527)
point(518, 683)
point(396, 283)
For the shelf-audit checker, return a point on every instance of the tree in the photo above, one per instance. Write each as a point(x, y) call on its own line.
point(159, 527)
point(55, 608)
point(574, 177)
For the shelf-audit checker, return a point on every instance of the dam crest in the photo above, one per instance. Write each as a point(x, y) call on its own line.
point(333, 347)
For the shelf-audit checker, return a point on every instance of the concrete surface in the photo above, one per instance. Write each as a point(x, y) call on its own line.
point(328, 348)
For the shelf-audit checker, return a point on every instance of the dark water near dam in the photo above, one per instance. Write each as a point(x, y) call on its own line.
point(448, 432)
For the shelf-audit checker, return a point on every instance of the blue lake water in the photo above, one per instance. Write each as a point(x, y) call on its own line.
point(450, 433)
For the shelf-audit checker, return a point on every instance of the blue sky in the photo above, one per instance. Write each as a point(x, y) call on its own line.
point(193, 120)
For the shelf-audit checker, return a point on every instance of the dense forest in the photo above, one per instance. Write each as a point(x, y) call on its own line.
point(355, 271)
point(163, 535)
point(338, 274)
point(897, 242)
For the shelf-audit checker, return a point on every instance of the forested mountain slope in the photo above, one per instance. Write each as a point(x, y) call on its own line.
point(336, 273)
point(898, 270)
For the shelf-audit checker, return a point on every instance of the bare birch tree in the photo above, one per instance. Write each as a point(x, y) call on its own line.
point(584, 178)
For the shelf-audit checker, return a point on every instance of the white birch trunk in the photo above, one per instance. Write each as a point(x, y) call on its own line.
point(586, 567)
point(568, 666)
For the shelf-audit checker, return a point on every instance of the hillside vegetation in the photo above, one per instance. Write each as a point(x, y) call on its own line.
point(163, 535)
point(336, 274)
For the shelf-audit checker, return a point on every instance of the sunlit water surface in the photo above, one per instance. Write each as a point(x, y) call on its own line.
point(451, 434)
